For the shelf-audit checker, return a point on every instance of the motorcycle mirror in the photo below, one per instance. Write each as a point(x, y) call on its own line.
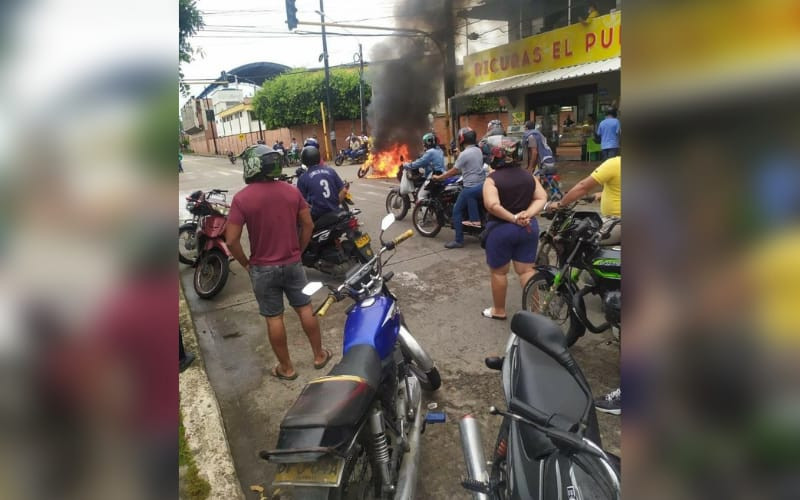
point(387, 221)
point(312, 287)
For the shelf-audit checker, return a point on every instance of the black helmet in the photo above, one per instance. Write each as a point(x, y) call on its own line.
point(261, 163)
point(311, 142)
point(467, 135)
point(309, 156)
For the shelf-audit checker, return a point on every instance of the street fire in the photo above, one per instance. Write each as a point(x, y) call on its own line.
point(387, 163)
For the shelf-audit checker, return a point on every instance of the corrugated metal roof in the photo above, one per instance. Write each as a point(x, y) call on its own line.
point(530, 79)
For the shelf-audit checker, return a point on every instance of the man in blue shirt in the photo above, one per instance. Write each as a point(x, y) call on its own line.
point(321, 186)
point(433, 159)
point(608, 130)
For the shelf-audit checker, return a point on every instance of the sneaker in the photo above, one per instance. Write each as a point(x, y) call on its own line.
point(454, 244)
point(471, 224)
point(610, 403)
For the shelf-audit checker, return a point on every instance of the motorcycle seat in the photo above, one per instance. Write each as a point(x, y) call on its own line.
point(327, 220)
point(340, 398)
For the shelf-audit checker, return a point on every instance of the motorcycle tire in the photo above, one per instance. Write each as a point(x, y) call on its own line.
point(338, 160)
point(397, 204)
point(430, 380)
point(362, 171)
point(426, 220)
point(546, 254)
point(558, 309)
point(211, 273)
point(186, 255)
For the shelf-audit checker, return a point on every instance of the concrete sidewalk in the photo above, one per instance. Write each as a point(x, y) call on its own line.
point(205, 432)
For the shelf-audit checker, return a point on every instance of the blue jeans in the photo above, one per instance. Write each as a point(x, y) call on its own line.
point(469, 197)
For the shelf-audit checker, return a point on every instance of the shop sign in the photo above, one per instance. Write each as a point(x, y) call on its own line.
point(568, 46)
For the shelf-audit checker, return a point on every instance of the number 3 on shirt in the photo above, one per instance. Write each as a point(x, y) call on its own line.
point(326, 190)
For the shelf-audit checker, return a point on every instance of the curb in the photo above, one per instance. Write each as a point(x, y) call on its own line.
point(202, 420)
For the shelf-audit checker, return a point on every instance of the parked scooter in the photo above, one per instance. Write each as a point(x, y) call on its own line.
point(355, 433)
point(201, 241)
point(549, 443)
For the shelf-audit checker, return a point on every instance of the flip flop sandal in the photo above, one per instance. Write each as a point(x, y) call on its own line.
point(328, 356)
point(487, 313)
point(279, 375)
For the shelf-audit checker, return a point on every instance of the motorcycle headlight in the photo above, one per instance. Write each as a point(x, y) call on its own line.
point(190, 205)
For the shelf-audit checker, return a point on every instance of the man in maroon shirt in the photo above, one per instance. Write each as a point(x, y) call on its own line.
point(272, 211)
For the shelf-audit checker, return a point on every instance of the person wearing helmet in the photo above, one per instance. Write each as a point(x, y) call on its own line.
point(433, 158)
point(321, 186)
point(495, 127)
point(276, 244)
point(311, 141)
point(470, 165)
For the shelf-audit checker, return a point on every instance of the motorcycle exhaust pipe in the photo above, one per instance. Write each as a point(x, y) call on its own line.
point(473, 452)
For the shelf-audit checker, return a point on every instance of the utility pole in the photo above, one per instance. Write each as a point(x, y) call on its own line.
point(327, 81)
point(361, 86)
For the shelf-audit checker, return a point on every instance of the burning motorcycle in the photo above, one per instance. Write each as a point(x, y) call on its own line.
point(201, 241)
point(548, 446)
point(355, 433)
point(434, 207)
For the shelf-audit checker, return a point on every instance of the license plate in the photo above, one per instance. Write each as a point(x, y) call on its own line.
point(325, 471)
point(363, 241)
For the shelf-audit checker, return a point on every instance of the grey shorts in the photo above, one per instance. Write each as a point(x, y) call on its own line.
point(270, 283)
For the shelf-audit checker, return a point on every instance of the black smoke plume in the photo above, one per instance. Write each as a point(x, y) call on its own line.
point(406, 75)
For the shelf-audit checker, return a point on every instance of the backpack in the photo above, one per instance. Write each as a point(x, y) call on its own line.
point(545, 154)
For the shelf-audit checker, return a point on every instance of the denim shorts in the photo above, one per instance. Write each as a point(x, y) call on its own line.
point(509, 242)
point(270, 283)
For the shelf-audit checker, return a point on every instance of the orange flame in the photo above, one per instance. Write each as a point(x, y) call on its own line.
point(386, 164)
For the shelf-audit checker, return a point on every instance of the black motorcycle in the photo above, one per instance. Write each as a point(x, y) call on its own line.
point(337, 244)
point(434, 207)
point(556, 291)
point(399, 204)
point(355, 433)
point(548, 446)
point(551, 244)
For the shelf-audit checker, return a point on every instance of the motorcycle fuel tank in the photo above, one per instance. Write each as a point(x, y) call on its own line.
point(373, 321)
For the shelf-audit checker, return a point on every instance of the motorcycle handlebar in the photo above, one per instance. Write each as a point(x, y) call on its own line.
point(403, 237)
point(323, 309)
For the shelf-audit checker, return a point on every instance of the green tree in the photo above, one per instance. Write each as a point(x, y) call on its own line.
point(293, 98)
point(483, 104)
point(190, 21)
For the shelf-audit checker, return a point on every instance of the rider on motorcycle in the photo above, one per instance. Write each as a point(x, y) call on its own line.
point(321, 186)
point(470, 165)
point(433, 158)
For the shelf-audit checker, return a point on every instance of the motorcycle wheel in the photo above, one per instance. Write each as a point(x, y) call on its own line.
point(430, 380)
point(426, 220)
point(339, 160)
point(397, 204)
point(362, 171)
point(546, 255)
point(187, 243)
point(211, 273)
point(537, 289)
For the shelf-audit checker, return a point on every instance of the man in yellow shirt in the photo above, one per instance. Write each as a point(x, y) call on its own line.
point(609, 176)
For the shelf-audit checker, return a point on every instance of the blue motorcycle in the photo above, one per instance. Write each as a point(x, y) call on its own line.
point(355, 433)
point(355, 156)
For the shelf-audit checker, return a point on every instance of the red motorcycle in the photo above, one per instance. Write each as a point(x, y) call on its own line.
point(202, 241)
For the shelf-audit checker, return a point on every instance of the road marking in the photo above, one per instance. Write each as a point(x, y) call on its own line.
point(372, 193)
point(222, 172)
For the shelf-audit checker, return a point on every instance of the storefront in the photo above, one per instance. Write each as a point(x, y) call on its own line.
point(563, 80)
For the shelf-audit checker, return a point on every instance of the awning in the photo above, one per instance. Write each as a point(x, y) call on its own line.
point(530, 79)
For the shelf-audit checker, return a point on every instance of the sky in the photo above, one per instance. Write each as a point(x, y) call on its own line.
point(243, 31)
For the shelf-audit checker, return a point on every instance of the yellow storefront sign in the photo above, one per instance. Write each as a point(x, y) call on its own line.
point(600, 39)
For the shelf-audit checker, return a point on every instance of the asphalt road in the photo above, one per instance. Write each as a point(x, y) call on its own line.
point(441, 293)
